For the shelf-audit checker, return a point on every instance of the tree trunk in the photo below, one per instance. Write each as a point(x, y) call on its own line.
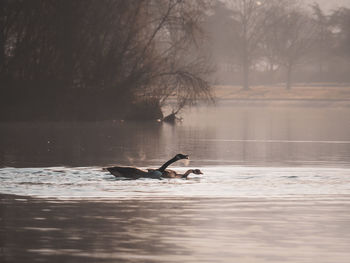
point(245, 72)
point(2, 37)
point(289, 77)
point(271, 74)
point(320, 68)
point(245, 50)
point(2, 51)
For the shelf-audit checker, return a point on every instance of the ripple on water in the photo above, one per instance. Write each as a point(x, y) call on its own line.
point(217, 181)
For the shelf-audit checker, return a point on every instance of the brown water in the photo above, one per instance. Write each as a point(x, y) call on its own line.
point(175, 230)
point(276, 188)
point(248, 134)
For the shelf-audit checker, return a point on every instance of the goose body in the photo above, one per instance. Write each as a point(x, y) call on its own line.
point(173, 174)
point(136, 173)
point(133, 172)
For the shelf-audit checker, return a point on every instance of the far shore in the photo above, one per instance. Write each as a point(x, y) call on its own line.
point(301, 92)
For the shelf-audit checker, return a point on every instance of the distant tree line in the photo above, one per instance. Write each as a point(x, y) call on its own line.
point(118, 59)
point(274, 41)
point(100, 59)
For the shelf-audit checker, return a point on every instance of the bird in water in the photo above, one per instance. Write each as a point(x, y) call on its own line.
point(136, 173)
point(173, 174)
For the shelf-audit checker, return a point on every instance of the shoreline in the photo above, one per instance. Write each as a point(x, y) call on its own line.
point(279, 93)
point(307, 103)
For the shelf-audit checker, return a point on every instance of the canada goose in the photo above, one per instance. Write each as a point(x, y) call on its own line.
point(135, 173)
point(173, 174)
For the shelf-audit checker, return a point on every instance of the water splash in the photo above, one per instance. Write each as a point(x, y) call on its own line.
point(217, 181)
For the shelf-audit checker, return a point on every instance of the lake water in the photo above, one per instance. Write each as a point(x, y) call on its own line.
point(276, 188)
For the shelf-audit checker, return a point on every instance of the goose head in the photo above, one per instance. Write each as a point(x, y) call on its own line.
point(181, 156)
point(197, 171)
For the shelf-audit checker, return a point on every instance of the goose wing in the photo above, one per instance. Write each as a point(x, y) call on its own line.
point(170, 174)
point(128, 172)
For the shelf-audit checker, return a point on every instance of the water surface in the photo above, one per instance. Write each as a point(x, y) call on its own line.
point(217, 181)
point(231, 134)
point(276, 188)
point(168, 230)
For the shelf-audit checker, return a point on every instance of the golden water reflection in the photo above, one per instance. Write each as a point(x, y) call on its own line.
point(176, 230)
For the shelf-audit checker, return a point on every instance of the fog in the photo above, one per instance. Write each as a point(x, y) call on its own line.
point(146, 60)
point(175, 131)
point(330, 5)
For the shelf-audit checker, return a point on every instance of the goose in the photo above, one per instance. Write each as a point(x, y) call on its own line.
point(135, 173)
point(173, 174)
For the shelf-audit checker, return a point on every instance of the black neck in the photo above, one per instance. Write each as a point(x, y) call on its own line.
point(188, 172)
point(165, 165)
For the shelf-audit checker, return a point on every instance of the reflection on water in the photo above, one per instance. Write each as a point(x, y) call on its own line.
point(275, 188)
point(175, 230)
point(226, 134)
point(217, 181)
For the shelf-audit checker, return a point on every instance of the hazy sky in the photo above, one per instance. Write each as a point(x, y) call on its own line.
point(331, 4)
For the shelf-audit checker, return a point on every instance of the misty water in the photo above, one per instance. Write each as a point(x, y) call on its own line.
point(275, 188)
point(243, 150)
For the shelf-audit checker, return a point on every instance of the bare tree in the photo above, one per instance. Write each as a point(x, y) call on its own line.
point(250, 19)
point(340, 21)
point(103, 53)
point(290, 39)
point(180, 69)
point(323, 38)
point(2, 34)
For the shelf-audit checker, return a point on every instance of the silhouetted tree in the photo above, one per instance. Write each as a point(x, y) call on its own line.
point(218, 24)
point(290, 38)
point(323, 38)
point(179, 67)
point(91, 59)
point(2, 35)
point(340, 20)
point(250, 19)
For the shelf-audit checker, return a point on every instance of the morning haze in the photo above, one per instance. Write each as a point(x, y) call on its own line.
point(330, 5)
point(174, 131)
